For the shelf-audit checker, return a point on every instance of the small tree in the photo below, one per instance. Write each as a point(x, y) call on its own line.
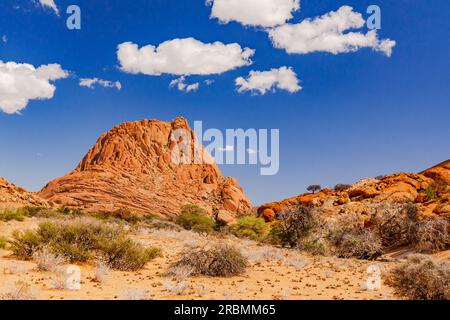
point(314, 188)
point(293, 226)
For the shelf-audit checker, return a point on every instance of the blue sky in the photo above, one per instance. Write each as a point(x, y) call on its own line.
point(359, 114)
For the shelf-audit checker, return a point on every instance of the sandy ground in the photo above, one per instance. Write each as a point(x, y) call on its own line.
point(273, 274)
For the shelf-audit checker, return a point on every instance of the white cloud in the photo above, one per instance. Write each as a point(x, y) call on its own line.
point(228, 148)
point(265, 13)
point(182, 86)
point(209, 82)
point(183, 57)
point(22, 82)
point(326, 34)
point(91, 82)
point(50, 4)
point(4, 38)
point(260, 82)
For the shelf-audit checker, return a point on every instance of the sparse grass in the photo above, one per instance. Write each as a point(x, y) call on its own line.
point(251, 227)
point(20, 291)
point(81, 240)
point(217, 261)
point(422, 278)
point(136, 294)
point(101, 272)
point(20, 214)
point(194, 218)
point(9, 215)
point(48, 261)
point(175, 287)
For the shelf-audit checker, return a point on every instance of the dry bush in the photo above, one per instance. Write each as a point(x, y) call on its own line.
point(352, 240)
point(421, 278)
point(59, 279)
point(176, 288)
point(48, 261)
point(293, 226)
point(431, 235)
point(395, 224)
point(180, 272)
point(217, 261)
point(362, 245)
point(101, 272)
point(20, 291)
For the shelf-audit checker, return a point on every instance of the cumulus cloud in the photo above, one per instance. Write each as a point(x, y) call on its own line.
point(91, 82)
point(260, 82)
point(183, 57)
point(4, 38)
point(265, 13)
point(326, 34)
point(182, 86)
point(22, 82)
point(50, 4)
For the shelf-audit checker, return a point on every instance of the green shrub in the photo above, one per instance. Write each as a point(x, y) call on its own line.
point(431, 193)
point(193, 208)
point(218, 261)
point(3, 242)
point(11, 214)
point(421, 278)
point(193, 218)
point(81, 240)
point(24, 244)
point(251, 227)
point(128, 255)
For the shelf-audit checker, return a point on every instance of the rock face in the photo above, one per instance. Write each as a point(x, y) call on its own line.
point(12, 196)
point(136, 166)
point(429, 190)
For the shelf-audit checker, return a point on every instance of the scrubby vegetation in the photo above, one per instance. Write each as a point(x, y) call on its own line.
point(251, 227)
point(422, 278)
point(293, 227)
point(342, 187)
point(3, 242)
point(81, 240)
point(19, 214)
point(351, 239)
point(195, 218)
point(126, 254)
point(217, 261)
